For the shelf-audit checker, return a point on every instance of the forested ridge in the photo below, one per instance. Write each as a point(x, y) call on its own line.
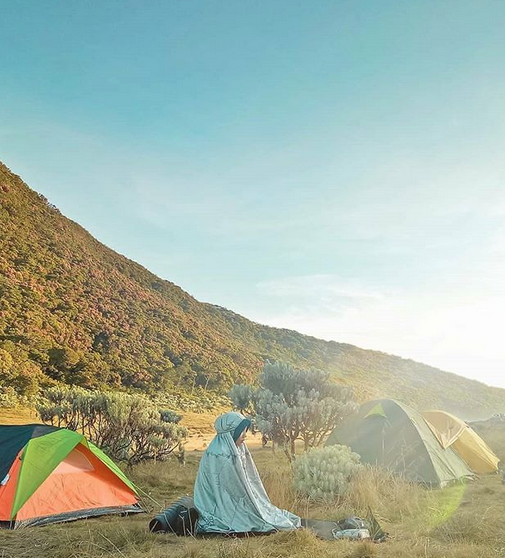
point(74, 311)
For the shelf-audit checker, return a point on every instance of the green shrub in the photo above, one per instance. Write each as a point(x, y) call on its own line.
point(241, 396)
point(19, 373)
point(167, 415)
point(325, 473)
point(9, 398)
point(128, 427)
point(199, 401)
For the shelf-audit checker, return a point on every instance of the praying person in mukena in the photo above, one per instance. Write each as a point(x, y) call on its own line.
point(229, 494)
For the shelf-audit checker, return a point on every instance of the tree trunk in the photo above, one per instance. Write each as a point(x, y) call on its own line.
point(288, 454)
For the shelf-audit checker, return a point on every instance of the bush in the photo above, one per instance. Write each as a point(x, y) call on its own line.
point(128, 427)
point(241, 396)
point(199, 401)
point(10, 399)
point(167, 415)
point(325, 473)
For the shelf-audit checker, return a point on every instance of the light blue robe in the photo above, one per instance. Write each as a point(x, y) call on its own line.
point(229, 494)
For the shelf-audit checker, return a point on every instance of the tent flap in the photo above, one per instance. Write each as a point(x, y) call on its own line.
point(40, 457)
point(112, 466)
point(455, 433)
point(13, 439)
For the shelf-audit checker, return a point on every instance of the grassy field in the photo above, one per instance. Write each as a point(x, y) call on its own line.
point(462, 521)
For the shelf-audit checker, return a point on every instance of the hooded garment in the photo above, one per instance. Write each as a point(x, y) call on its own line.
point(229, 494)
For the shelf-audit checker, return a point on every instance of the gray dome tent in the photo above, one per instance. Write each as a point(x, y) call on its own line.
point(392, 435)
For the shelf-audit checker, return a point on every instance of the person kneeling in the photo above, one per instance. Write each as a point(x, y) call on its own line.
point(229, 495)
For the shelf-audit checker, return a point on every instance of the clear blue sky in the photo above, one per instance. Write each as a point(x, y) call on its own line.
point(335, 167)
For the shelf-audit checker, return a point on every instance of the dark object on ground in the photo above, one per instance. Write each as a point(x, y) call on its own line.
point(180, 518)
point(377, 534)
point(352, 523)
point(328, 530)
point(237, 535)
point(360, 526)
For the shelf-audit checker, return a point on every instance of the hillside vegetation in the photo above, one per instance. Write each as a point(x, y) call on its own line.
point(74, 311)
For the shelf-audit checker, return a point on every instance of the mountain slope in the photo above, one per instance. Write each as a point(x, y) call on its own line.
point(73, 310)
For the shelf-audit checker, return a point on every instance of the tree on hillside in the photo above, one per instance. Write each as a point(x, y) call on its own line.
point(293, 404)
point(241, 397)
point(84, 369)
point(19, 373)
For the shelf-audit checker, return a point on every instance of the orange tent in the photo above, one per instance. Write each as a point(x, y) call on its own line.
point(50, 474)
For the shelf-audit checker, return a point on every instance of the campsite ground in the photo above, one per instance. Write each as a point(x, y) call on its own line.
point(463, 521)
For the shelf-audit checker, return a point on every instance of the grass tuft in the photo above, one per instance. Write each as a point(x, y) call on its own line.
point(364, 550)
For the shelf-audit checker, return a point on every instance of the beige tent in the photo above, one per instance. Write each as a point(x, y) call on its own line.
point(451, 431)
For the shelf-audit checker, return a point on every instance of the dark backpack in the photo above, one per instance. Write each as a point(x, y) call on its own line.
point(180, 518)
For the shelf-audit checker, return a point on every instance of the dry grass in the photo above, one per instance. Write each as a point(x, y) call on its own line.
point(199, 422)
point(19, 415)
point(385, 494)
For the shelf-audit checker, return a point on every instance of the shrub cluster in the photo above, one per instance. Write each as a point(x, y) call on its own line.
point(198, 401)
point(325, 473)
point(127, 427)
point(9, 398)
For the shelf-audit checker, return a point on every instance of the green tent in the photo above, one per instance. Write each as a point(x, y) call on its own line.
point(390, 434)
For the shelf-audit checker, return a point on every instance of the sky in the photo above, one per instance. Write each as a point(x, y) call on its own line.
point(334, 167)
